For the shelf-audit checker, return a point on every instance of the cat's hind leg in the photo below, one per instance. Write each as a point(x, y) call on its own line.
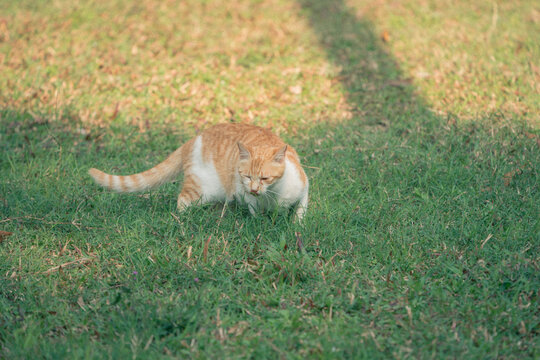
point(190, 193)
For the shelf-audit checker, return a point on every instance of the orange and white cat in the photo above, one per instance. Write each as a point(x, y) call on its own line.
point(225, 162)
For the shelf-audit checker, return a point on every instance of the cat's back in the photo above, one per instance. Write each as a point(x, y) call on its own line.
point(221, 141)
point(230, 134)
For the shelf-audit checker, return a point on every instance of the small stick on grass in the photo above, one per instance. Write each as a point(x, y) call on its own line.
point(205, 250)
point(299, 242)
point(485, 241)
point(78, 261)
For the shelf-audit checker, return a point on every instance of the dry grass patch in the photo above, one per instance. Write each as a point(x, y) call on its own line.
point(191, 62)
point(466, 58)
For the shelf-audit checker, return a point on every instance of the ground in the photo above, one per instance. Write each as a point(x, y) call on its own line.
point(417, 123)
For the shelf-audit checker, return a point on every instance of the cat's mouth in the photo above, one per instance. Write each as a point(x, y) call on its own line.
point(255, 193)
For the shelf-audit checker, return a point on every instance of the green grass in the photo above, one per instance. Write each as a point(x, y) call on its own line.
point(423, 233)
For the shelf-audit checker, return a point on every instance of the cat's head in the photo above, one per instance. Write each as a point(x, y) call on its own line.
point(259, 167)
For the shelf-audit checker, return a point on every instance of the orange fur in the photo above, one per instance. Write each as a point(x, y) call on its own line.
point(226, 161)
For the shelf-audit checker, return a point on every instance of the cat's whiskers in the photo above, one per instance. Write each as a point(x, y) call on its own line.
point(268, 191)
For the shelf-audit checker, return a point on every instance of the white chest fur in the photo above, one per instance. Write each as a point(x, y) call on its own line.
point(290, 188)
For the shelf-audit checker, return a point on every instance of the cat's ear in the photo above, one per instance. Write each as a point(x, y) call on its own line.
point(279, 156)
point(244, 152)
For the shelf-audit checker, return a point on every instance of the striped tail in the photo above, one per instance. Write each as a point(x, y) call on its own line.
point(148, 179)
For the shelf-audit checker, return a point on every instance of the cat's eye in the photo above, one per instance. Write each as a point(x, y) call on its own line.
point(265, 178)
point(247, 177)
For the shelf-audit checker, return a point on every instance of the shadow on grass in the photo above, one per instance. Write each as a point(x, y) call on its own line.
point(396, 163)
point(376, 88)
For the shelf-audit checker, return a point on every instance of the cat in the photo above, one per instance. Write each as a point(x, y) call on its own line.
point(227, 162)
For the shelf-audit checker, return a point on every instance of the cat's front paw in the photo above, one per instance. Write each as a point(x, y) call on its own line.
point(298, 217)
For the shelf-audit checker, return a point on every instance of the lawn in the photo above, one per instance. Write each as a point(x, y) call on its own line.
point(418, 126)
